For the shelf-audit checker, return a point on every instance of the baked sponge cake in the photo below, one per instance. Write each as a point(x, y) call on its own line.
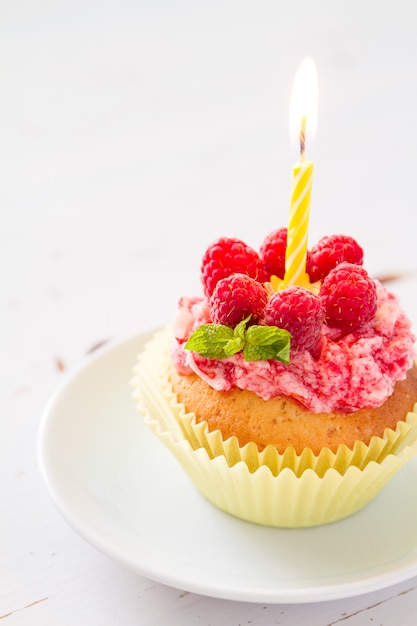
point(287, 405)
point(283, 421)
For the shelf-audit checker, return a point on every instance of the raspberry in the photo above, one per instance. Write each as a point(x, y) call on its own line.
point(236, 297)
point(329, 252)
point(349, 297)
point(300, 312)
point(272, 253)
point(228, 256)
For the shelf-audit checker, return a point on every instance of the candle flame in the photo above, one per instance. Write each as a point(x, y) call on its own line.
point(304, 104)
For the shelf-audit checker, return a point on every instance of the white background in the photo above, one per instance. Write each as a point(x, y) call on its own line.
point(131, 135)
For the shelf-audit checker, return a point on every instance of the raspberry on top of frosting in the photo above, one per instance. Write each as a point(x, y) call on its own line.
point(351, 367)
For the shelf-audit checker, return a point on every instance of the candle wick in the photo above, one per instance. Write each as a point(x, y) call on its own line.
point(303, 137)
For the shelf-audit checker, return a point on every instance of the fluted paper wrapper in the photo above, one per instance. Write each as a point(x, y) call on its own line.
point(285, 490)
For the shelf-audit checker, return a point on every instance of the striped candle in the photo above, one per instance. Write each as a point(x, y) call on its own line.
point(297, 238)
point(303, 116)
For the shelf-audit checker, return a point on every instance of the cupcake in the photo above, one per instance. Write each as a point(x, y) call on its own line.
point(287, 405)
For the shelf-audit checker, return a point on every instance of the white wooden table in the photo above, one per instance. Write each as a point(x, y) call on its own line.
point(131, 135)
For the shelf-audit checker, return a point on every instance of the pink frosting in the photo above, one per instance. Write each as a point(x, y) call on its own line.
point(353, 371)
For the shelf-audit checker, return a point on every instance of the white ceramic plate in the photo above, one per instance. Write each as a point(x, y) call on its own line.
point(119, 488)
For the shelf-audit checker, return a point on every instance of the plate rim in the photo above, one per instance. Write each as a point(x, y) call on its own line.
point(382, 578)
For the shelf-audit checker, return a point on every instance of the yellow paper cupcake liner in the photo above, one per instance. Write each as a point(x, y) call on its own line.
point(266, 487)
point(285, 500)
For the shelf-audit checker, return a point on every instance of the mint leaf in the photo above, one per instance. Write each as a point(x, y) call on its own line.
point(210, 340)
point(234, 345)
point(238, 342)
point(267, 342)
point(240, 329)
point(216, 341)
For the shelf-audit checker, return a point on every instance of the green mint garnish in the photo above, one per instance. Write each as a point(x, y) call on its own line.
point(216, 341)
point(267, 342)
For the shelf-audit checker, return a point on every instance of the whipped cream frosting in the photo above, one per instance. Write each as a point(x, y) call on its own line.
point(353, 371)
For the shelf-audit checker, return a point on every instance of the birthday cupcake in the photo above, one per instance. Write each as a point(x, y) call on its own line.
point(287, 406)
point(287, 389)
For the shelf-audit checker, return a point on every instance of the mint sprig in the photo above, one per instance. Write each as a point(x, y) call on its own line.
point(216, 341)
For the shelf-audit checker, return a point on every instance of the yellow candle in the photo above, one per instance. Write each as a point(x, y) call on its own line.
point(304, 111)
point(297, 238)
